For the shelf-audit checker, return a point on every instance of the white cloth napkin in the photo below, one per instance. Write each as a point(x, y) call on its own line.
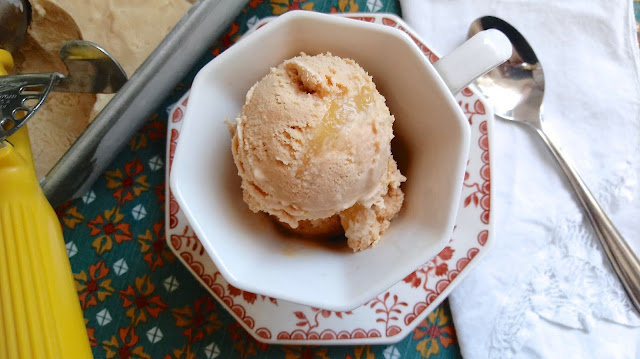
point(546, 289)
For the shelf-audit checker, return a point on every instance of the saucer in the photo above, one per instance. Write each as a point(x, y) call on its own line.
point(391, 315)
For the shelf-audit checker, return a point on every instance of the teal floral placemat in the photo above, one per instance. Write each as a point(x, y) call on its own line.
point(138, 299)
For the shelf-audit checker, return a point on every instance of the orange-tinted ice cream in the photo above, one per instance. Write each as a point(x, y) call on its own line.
point(313, 141)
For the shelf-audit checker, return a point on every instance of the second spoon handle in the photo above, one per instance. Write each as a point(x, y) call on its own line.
point(624, 261)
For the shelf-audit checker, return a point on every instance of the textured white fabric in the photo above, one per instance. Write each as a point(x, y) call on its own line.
point(546, 289)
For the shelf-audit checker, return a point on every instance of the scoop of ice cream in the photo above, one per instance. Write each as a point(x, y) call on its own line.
point(313, 140)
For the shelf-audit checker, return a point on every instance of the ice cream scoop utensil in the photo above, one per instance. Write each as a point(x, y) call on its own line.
point(516, 90)
point(40, 315)
point(91, 69)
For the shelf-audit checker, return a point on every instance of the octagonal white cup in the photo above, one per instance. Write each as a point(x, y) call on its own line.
point(431, 147)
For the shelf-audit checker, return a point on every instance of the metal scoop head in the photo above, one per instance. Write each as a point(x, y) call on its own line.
point(91, 70)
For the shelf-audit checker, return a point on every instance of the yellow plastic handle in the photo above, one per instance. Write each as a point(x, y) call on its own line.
point(6, 62)
point(40, 315)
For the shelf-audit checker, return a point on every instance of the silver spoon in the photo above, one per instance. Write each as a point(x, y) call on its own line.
point(516, 89)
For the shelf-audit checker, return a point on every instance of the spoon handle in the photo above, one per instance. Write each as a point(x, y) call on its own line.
point(624, 261)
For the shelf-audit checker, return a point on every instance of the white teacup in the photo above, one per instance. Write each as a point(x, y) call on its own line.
point(431, 147)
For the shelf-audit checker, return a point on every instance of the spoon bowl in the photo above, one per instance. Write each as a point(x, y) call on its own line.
point(516, 91)
point(516, 87)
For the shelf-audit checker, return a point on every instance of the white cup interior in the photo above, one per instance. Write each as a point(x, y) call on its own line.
point(431, 148)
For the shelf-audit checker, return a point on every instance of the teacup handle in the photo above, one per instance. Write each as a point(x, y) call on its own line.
point(475, 57)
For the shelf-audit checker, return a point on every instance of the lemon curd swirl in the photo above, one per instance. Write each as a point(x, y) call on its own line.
point(340, 112)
